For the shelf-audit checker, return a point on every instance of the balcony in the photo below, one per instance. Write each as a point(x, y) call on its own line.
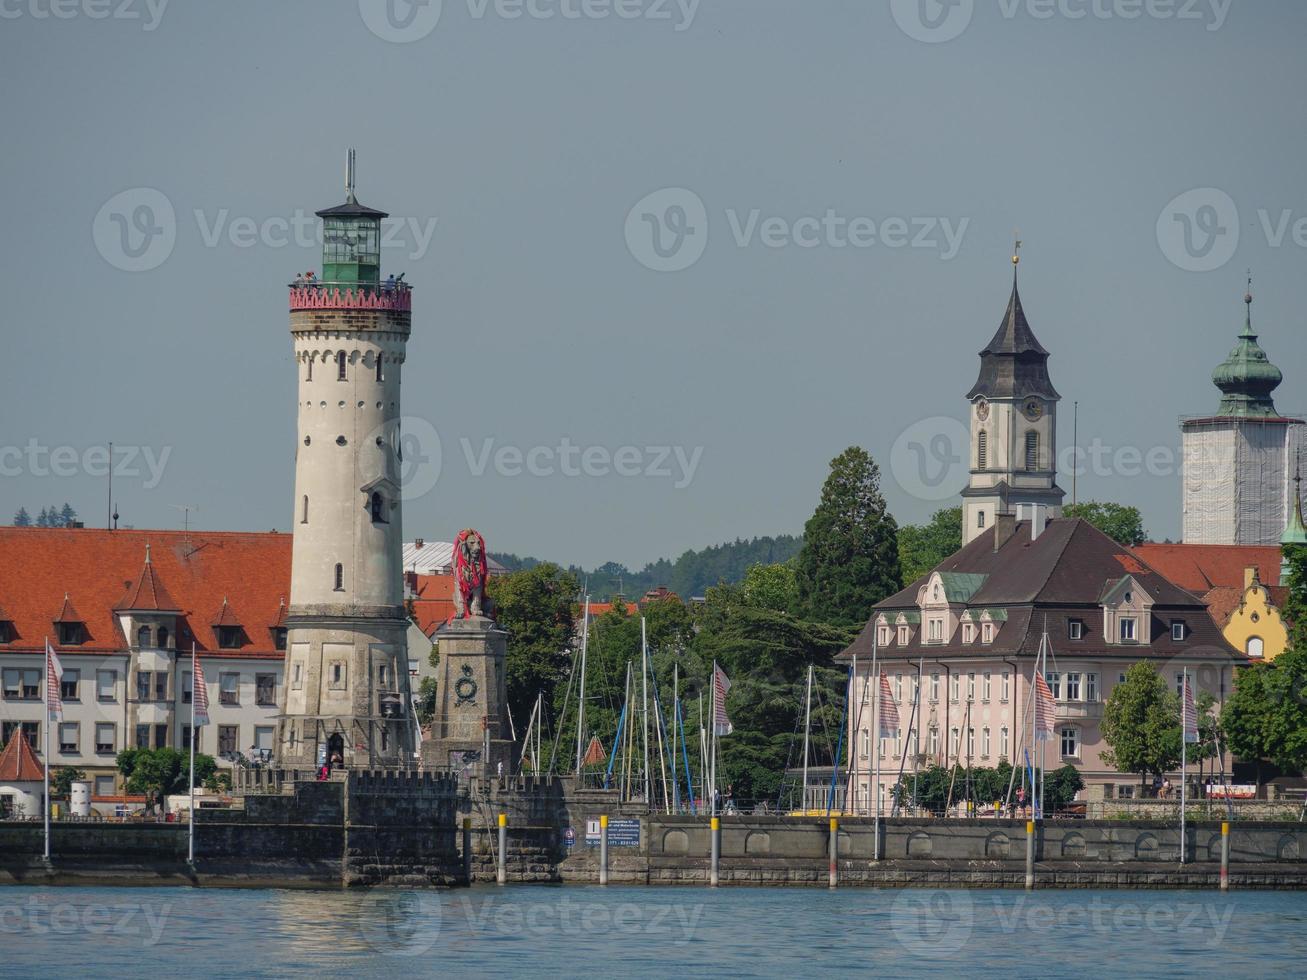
point(316, 295)
point(1078, 710)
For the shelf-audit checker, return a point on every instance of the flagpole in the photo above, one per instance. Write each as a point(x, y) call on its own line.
point(855, 720)
point(190, 818)
point(712, 789)
point(807, 725)
point(875, 731)
point(1184, 745)
point(45, 799)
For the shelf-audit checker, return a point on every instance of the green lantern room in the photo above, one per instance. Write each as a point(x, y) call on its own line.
point(351, 239)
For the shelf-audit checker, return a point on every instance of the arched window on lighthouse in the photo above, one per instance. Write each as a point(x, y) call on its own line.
point(340, 366)
point(309, 361)
point(340, 578)
point(378, 504)
point(982, 450)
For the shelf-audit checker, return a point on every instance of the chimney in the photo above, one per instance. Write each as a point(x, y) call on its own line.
point(419, 543)
point(1005, 525)
point(1038, 518)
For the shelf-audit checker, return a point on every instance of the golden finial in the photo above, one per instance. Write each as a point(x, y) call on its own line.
point(1016, 248)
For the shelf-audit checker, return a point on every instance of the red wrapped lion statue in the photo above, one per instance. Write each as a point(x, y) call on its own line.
point(470, 574)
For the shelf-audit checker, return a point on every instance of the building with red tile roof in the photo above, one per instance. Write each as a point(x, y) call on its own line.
point(1203, 567)
point(22, 779)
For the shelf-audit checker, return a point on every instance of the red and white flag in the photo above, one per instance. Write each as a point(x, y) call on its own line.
point(888, 722)
point(54, 672)
point(199, 692)
point(721, 684)
point(1044, 709)
point(1189, 718)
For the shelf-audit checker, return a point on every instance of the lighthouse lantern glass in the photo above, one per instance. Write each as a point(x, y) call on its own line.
point(351, 249)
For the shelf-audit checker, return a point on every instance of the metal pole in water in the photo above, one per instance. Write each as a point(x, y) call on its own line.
point(834, 851)
point(603, 849)
point(716, 825)
point(501, 873)
point(467, 849)
point(1225, 855)
point(1030, 855)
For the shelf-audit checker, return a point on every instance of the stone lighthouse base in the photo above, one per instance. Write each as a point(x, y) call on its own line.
point(469, 728)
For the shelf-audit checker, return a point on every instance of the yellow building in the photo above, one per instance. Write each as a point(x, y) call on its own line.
point(1252, 623)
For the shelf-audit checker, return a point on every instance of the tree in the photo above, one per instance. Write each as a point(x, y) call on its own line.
point(424, 705)
point(22, 518)
point(536, 607)
point(771, 587)
point(923, 546)
point(1266, 716)
point(1141, 723)
point(1295, 603)
point(67, 516)
point(61, 783)
point(849, 560)
point(43, 518)
point(1124, 525)
point(1061, 787)
point(156, 773)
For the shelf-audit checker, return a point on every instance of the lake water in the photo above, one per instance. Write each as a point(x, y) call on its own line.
point(649, 932)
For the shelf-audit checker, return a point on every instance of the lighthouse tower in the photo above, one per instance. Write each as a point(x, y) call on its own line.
point(346, 685)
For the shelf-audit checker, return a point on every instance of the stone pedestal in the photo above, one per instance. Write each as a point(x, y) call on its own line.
point(470, 730)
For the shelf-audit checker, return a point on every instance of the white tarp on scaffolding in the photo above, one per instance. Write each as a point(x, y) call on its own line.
point(1237, 479)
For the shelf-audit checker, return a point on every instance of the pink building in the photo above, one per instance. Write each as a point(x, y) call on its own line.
point(959, 646)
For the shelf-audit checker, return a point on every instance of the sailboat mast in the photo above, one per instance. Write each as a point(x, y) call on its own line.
point(644, 685)
point(580, 714)
point(807, 726)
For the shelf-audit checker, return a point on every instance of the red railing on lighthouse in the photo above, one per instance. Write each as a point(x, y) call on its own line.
point(351, 296)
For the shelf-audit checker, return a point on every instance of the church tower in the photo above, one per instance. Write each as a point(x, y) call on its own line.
point(1237, 480)
point(1013, 425)
point(346, 683)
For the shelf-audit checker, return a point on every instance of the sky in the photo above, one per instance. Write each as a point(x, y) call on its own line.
point(668, 258)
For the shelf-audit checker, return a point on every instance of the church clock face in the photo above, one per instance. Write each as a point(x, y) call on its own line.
point(982, 410)
point(1033, 408)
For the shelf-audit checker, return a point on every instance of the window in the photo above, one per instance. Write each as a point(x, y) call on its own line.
point(982, 450)
point(1032, 450)
point(985, 687)
point(143, 638)
point(142, 685)
point(1091, 687)
point(340, 366)
point(866, 743)
point(1054, 680)
point(1120, 678)
point(381, 371)
point(968, 632)
point(1073, 686)
point(70, 738)
point(228, 735)
point(68, 684)
point(22, 684)
point(340, 578)
point(336, 682)
point(882, 635)
point(297, 677)
point(898, 688)
point(984, 743)
point(383, 676)
point(161, 685)
point(229, 637)
point(385, 741)
point(106, 738)
point(188, 687)
point(1002, 741)
point(186, 737)
point(1075, 630)
point(980, 519)
point(1004, 680)
point(378, 508)
point(142, 736)
point(971, 742)
point(70, 634)
point(934, 687)
point(1127, 631)
point(265, 687)
point(1070, 742)
point(279, 638)
point(934, 741)
point(263, 740)
point(229, 688)
point(1256, 649)
point(1177, 629)
point(6, 631)
point(987, 633)
point(106, 685)
point(1179, 684)
point(163, 638)
point(971, 686)
point(936, 630)
point(104, 786)
point(304, 509)
point(308, 376)
point(954, 739)
point(953, 686)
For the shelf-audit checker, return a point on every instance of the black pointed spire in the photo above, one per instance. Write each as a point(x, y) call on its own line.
point(1014, 363)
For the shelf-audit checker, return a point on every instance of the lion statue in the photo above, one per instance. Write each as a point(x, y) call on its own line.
point(470, 574)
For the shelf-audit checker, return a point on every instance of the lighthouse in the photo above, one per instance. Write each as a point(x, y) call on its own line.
point(346, 693)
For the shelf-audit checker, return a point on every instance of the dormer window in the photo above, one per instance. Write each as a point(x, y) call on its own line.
point(903, 636)
point(70, 634)
point(968, 632)
point(1177, 630)
point(882, 635)
point(279, 638)
point(1075, 630)
point(936, 628)
point(6, 631)
point(229, 637)
point(987, 633)
point(1128, 631)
